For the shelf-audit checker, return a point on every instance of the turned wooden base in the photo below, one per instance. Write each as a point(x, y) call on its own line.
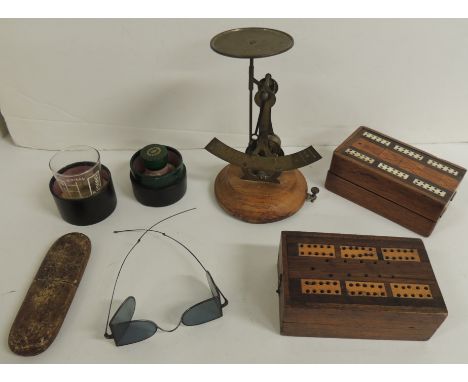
point(260, 202)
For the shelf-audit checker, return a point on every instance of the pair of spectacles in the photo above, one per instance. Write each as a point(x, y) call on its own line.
point(126, 331)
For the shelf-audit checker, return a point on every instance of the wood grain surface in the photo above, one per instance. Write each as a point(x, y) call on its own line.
point(393, 179)
point(360, 297)
point(378, 204)
point(260, 202)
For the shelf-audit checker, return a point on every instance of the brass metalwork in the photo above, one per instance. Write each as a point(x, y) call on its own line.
point(268, 164)
point(264, 159)
point(251, 42)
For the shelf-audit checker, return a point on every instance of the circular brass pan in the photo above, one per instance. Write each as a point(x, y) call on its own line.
point(251, 42)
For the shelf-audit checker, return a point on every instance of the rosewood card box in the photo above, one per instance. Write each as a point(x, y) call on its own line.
point(395, 180)
point(353, 286)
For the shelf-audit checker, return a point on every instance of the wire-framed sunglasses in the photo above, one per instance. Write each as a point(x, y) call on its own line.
point(126, 331)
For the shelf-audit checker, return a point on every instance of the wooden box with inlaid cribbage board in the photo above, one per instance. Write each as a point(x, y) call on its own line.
point(354, 286)
point(395, 180)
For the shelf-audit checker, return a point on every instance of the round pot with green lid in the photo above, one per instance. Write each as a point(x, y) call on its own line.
point(158, 175)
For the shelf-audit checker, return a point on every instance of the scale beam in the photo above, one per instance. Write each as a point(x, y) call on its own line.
point(274, 164)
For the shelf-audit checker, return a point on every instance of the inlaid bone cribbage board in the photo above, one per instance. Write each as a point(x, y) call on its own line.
point(353, 286)
point(393, 179)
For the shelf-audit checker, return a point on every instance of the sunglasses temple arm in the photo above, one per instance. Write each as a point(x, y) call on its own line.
point(178, 242)
point(224, 298)
point(168, 236)
point(106, 334)
point(183, 245)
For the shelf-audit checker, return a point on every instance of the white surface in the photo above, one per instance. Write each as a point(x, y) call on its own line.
point(122, 83)
point(241, 257)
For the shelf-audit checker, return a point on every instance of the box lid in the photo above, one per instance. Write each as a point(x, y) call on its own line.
point(401, 173)
point(370, 273)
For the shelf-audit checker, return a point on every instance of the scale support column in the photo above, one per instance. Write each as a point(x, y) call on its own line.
point(251, 83)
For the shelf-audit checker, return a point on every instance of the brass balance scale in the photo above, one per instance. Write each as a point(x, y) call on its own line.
point(260, 185)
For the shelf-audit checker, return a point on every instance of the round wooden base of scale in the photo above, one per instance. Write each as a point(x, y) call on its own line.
point(260, 202)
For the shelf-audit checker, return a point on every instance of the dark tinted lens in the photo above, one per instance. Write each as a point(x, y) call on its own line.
point(125, 311)
point(203, 312)
point(124, 330)
point(212, 285)
point(126, 333)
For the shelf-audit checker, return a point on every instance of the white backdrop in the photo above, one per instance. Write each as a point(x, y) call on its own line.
point(119, 84)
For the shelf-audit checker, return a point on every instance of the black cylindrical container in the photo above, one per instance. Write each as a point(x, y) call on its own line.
point(162, 190)
point(88, 210)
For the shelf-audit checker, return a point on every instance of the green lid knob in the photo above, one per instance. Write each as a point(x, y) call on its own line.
point(154, 156)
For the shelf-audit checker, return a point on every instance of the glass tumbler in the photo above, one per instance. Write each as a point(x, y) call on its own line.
point(77, 170)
